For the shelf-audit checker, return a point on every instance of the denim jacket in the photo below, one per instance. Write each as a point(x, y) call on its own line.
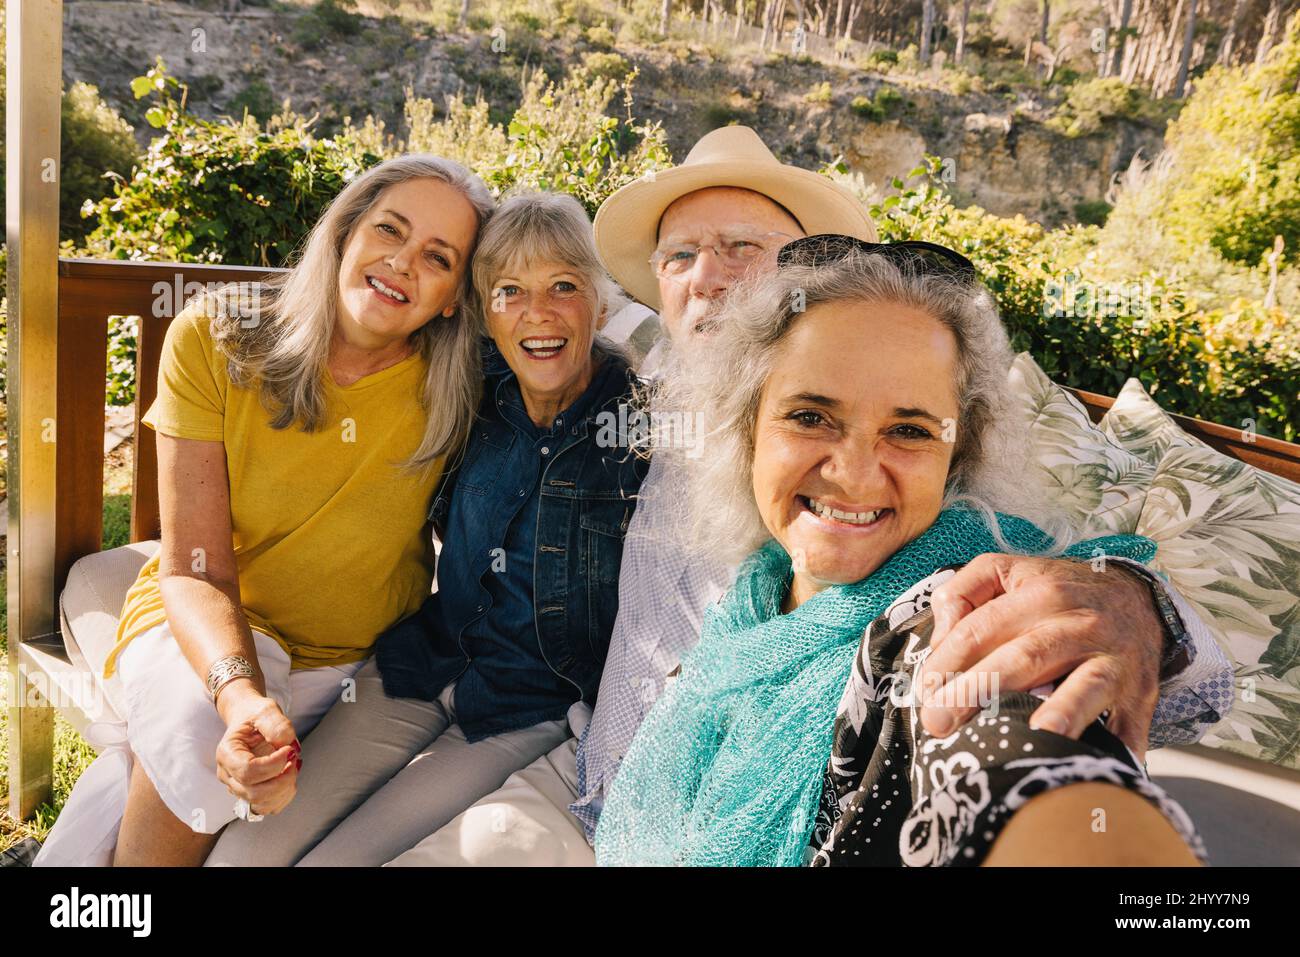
point(585, 502)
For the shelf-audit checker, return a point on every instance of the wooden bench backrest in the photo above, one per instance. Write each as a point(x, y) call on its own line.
point(1269, 454)
point(91, 290)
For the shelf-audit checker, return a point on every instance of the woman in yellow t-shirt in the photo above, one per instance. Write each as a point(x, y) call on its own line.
point(302, 427)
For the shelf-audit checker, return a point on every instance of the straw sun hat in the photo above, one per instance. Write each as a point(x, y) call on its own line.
point(731, 156)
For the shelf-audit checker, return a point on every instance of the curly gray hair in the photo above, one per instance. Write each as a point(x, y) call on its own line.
point(723, 380)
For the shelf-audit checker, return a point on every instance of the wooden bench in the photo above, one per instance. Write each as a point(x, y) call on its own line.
point(90, 584)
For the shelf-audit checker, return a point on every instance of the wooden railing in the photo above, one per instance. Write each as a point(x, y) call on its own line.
point(1269, 454)
point(91, 290)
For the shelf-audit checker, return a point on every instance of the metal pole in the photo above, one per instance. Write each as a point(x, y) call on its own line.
point(34, 66)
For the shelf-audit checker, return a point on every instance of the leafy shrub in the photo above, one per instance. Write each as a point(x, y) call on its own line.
point(1225, 364)
point(820, 94)
point(123, 337)
point(1233, 174)
point(328, 19)
point(256, 98)
point(94, 140)
point(601, 36)
point(1092, 212)
point(560, 138)
point(878, 109)
point(1089, 104)
point(607, 66)
point(864, 107)
point(219, 192)
point(717, 115)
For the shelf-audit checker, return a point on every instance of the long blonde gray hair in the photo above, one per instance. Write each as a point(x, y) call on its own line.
point(279, 341)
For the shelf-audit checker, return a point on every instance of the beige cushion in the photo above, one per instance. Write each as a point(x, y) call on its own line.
point(1137, 423)
point(90, 606)
point(1093, 482)
point(1228, 537)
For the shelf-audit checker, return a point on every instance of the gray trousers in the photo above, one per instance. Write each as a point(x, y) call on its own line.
point(379, 775)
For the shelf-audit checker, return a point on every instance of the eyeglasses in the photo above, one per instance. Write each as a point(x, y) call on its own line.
point(737, 249)
point(916, 256)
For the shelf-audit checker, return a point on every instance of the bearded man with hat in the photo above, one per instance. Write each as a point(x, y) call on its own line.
point(678, 240)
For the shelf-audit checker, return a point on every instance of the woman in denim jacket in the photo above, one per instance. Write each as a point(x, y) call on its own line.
point(477, 684)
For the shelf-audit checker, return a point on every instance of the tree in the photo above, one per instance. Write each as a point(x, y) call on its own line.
point(927, 30)
point(1185, 57)
point(665, 12)
point(961, 31)
point(1230, 37)
point(1121, 40)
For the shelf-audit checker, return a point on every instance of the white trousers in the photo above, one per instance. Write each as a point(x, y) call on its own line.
point(526, 822)
point(172, 728)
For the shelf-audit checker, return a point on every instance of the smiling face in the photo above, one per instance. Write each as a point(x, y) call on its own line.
point(850, 461)
point(718, 213)
point(542, 318)
point(404, 262)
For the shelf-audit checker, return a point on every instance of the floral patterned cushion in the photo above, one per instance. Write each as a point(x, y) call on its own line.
point(1228, 538)
point(1136, 423)
point(1098, 484)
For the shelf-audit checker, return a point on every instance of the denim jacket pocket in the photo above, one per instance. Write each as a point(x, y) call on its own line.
point(483, 466)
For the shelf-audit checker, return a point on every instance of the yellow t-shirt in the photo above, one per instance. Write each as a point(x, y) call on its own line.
point(327, 524)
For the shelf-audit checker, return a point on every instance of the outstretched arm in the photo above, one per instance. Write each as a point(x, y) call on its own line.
point(1099, 633)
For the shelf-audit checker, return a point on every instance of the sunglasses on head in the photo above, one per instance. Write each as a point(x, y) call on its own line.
point(922, 258)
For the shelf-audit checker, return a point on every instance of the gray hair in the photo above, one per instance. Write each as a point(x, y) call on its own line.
point(544, 227)
point(723, 379)
point(285, 349)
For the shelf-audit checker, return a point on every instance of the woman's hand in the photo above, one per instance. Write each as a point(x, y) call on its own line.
point(259, 757)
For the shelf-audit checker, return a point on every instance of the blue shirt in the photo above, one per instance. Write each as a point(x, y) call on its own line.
point(509, 549)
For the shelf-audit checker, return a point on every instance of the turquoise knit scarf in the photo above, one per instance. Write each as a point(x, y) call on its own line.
point(727, 768)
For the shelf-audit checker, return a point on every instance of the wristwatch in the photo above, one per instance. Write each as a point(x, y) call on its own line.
point(1174, 657)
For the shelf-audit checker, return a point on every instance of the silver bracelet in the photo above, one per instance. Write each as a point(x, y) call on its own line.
point(225, 670)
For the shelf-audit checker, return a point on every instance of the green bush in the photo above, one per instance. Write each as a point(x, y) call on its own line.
point(1224, 364)
point(717, 115)
point(327, 20)
point(1092, 212)
point(256, 99)
point(819, 94)
point(601, 36)
point(1233, 175)
point(560, 138)
point(885, 104)
point(94, 141)
point(864, 107)
point(607, 66)
point(1089, 104)
point(219, 192)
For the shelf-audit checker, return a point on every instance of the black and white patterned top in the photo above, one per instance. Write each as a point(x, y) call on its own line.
point(895, 795)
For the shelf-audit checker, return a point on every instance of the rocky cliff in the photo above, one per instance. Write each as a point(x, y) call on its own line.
point(999, 152)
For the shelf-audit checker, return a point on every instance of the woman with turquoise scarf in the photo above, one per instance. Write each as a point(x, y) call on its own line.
point(854, 399)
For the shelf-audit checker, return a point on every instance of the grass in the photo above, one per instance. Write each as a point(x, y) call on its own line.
point(72, 754)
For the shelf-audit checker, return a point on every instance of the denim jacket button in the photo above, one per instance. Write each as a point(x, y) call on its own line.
point(546, 450)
